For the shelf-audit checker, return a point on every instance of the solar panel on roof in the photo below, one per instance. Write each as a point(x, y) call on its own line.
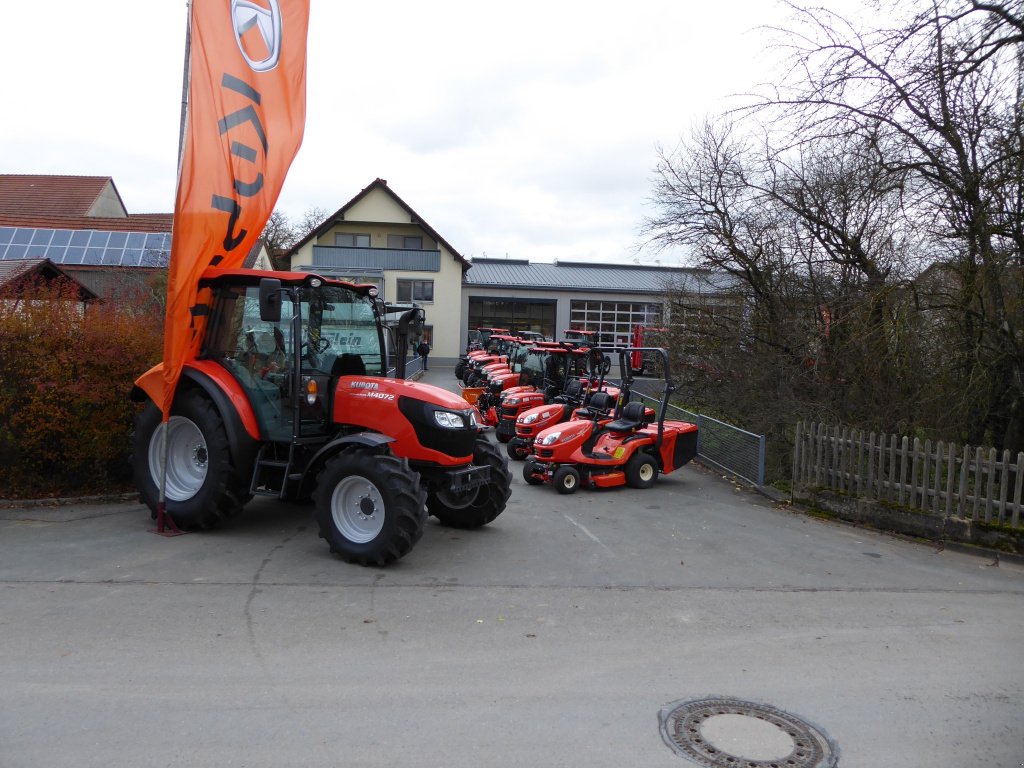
point(86, 246)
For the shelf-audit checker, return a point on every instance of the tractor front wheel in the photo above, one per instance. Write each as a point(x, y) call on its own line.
point(530, 469)
point(566, 480)
point(369, 507)
point(517, 449)
point(478, 506)
point(641, 470)
point(203, 487)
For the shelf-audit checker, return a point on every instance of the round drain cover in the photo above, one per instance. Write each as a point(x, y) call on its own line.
point(720, 732)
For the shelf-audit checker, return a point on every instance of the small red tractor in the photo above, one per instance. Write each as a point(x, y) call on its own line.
point(289, 397)
point(556, 364)
point(478, 341)
point(630, 449)
point(583, 398)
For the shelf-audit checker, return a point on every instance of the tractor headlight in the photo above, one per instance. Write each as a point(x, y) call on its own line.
point(550, 439)
point(512, 401)
point(449, 420)
point(528, 418)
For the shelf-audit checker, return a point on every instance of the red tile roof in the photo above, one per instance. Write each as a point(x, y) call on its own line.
point(51, 195)
point(134, 222)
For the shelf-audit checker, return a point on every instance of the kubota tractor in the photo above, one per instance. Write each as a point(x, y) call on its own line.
point(289, 396)
point(631, 449)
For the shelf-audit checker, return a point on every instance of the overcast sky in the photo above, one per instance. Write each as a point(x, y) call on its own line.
point(520, 128)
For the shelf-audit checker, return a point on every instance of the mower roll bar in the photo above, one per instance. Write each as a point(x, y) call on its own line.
point(624, 354)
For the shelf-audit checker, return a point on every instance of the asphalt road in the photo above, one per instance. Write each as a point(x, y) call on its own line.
point(552, 637)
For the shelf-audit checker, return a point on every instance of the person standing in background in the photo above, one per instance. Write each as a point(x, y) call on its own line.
point(423, 350)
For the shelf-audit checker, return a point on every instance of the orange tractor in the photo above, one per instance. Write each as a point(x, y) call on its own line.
point(289, 397)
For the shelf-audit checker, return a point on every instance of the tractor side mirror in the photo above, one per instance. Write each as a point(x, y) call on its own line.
point(270, 300)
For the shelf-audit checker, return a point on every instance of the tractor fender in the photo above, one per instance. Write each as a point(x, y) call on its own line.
point(372, 441)
point(241, 442)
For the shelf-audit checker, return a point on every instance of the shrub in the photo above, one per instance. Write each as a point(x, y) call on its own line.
point(65, 377)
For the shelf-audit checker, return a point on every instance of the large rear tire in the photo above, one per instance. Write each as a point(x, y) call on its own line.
point(203, 486)
point(481, 505)
point(369, 507)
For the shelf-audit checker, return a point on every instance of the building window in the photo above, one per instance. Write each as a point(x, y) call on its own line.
point(415, 290)
point(514, 314)
point(351, 240)
point(402, 242)
point(613, 320)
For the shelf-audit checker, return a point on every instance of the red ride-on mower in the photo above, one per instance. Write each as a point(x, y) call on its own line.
point(562, 365)
point(629, 450)
point(528, 415)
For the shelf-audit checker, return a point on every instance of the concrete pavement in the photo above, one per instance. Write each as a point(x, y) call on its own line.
point(552, 637)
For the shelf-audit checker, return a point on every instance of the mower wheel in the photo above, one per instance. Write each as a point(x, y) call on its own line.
point(460, 368)
point(480, 505)
point(369, 507)
point(529, 468)
point(203, 487)
point(641, 470)
point(517, 449)
point(566, 480)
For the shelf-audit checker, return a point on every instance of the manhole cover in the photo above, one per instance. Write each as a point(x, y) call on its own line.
point(719, 732)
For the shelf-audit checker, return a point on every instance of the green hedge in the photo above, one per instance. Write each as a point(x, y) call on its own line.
point(65, 377)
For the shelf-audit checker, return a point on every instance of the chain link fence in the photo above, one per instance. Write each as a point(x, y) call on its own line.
point(727, 447)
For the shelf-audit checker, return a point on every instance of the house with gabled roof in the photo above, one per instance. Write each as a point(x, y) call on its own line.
point(376, 237)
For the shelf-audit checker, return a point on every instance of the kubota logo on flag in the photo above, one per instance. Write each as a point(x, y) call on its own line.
point(246, 115)
point(257, 32)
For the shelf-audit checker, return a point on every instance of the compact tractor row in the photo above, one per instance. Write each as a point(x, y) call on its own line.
point(577, 430)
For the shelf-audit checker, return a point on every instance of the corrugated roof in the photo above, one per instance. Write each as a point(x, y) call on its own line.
point(591, 277)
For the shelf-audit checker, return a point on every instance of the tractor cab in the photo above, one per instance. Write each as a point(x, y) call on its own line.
point(288, 350)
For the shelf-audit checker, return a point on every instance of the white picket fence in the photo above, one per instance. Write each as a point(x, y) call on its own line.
point(943, 479)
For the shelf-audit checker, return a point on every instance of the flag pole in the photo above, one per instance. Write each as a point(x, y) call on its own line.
point(165, 525)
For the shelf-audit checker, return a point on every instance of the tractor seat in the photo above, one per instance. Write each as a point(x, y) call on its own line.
point(633, 417)
point(348, 364)
point(599, 404)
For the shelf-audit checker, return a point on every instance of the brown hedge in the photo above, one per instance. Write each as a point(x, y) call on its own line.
point(66, 371)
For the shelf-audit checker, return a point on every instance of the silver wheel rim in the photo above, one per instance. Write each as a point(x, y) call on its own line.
point(569, 480)
point(646, 472)
point(358, 509)
point(188, 460)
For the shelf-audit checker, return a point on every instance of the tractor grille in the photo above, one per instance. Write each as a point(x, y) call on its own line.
point(544, 454)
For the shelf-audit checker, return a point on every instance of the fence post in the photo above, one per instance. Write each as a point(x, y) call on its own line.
point(1017, 488)
point(797, 455)
point(760, 460)
point(904, 444)
point(950, 471)
point(936, 486)
point(965, 468)
point(990, 487)
point(1003, 484)
point(977, 483)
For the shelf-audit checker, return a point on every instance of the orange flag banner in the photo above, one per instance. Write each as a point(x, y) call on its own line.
point(246, 115)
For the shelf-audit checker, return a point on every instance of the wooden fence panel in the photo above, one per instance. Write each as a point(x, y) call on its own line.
point(941, 479)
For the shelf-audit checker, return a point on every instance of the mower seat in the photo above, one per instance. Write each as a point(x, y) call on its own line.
point(598, 407)
point(633, 417)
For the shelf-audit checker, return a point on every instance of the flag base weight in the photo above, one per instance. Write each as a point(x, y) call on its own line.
point(165, 525)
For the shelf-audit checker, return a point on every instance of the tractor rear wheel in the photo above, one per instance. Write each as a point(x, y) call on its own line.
point(566, 480)
point(641, 470)
point(478, 506)
point(369, 507)
point(203, 487)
